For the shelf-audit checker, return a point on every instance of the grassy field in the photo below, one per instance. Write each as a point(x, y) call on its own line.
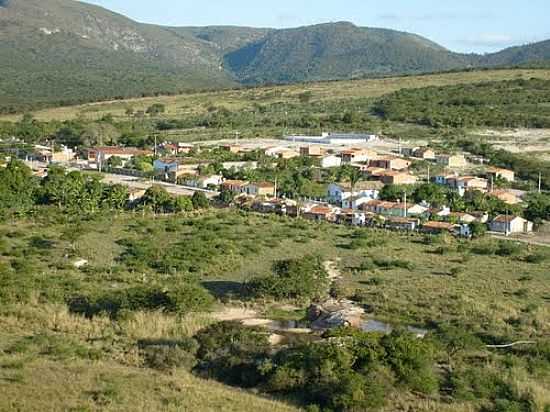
point(187, 104)
point(52, 359)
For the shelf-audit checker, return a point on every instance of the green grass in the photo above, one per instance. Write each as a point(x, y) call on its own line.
point(197, 103)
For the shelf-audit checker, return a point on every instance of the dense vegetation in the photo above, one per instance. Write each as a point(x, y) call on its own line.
point(514, 103)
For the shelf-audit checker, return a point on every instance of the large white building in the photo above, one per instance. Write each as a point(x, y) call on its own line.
point(335, 138)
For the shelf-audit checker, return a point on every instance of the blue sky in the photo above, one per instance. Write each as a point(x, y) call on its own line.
point(465, 25)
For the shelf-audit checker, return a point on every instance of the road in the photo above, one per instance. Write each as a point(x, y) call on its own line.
point(137, 182)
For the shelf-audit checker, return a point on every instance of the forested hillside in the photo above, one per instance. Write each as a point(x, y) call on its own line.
point(60, 52)
point(510, 103)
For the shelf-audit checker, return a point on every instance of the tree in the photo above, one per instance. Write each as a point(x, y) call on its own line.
point(158, 199)
point(293, 279)
point(115, 197)
point(434, 194)
point(305, 97)
point(155, 109)
point(200, 201)
point(226, 196)
point(183, 204)
point(17, 186)
point(354, 176)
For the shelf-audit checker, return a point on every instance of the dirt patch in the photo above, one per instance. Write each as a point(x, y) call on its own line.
point(332, 269)
point(228, 314)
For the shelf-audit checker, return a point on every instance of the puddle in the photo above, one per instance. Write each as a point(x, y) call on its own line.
point(372, 325)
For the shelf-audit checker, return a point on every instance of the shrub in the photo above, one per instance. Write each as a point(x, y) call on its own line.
point(229, 351)
point(164, 355)
point(293, 279)
point(388, 263)
point(184, 298)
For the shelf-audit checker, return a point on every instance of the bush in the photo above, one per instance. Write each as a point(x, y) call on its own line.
point(188, 297)
point(388, 263)
point(293, 279)
point(229, 351)
point(164, 355)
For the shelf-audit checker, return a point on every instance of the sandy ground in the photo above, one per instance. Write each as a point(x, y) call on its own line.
point(536, 141)
point(381, 146)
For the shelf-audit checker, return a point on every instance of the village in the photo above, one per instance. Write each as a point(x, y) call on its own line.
point(352, 172)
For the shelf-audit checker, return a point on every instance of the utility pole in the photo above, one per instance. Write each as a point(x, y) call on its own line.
point(540, 182)
point(275, 188)
point(507, 224)
point(428, 173)
point(405, 201)
point(155, 151)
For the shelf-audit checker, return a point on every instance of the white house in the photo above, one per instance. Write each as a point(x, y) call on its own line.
point(203, 182)
point(368, 190)
point(331, 161)
point(510, 225)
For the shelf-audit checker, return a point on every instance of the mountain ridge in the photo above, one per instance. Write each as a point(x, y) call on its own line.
point(56, 52)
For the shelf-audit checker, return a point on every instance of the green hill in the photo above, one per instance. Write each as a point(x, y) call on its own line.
point(336, 51)
point(59, 52)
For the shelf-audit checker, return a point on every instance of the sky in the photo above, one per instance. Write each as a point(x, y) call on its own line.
point(480, 26)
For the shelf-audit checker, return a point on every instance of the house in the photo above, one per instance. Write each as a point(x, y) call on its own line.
point(240, 165)
point(98, 156)
point(498, 173)
point(232, 148)
point(510, 225)
point(379, 207)
point(339, 192)
point(507, 197)
point(440, 213)
point(265, 189)
point(390, 163)
point(424, 153)
point(288, 154)
point(45, 154)
point(235, 186)
point(312, 151)
point(400, 209)
point(464, 183)
point(453, 161)
point(319, 213)
point(281, 152)
point(277, 206)
point(351, 217)
point(135, 194)
point(438, 227)
point(176, 148)
point(203, 182)
point(167, 165)
point(443, 179)
point(461, 217)
point(330, 161)
point(398, 178)
point(401, 223)
point(481, 217)
point(357, 155)
point(374, 172)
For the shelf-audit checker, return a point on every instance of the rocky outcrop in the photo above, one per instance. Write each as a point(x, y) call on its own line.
point(335, 313)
